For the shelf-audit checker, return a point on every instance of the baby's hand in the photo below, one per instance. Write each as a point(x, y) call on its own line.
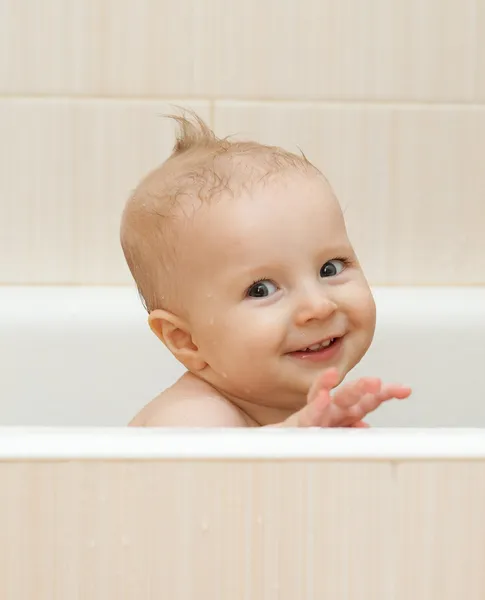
point(348, 406)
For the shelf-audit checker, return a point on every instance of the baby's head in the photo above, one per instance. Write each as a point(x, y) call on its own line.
point(242, 258)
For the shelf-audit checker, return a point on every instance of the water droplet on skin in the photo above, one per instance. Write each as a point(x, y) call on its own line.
point(224, 375)
point(204, 527)
point(211, 321)
point(209, 295)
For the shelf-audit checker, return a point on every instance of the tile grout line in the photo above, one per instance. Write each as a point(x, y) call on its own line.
point(213, 102)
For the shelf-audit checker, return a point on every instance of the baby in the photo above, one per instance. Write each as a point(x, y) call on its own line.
point(241, 256)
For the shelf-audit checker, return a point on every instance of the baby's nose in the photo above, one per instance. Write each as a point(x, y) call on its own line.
point(315, 306)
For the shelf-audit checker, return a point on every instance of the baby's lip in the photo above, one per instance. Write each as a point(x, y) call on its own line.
point(320, 341)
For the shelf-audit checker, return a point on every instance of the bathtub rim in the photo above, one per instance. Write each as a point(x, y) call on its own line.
point(124, 443)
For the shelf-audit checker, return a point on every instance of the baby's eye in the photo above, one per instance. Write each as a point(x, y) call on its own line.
point(261, 289)
point(332, 268)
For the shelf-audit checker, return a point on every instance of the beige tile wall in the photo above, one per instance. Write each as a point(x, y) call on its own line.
point(387, 97)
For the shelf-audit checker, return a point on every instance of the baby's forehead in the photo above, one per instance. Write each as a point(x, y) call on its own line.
point(268, 221)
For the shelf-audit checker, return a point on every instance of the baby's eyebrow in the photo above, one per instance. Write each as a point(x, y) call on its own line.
point(257, 270)
point(244, 276)
point(341, 251)
point(278, 267)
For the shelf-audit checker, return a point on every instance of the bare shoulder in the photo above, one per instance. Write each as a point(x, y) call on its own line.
point(189, 404)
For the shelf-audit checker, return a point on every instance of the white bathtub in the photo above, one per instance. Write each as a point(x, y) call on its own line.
point(85, 356)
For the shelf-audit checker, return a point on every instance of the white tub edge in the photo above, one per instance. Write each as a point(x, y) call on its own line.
point(20, 443)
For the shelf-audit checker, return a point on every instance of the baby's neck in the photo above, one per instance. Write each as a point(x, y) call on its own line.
point(254, 412)
point(259, 415)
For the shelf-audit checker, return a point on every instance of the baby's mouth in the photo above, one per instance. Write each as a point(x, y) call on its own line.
point(320, 351)
point(319, 346)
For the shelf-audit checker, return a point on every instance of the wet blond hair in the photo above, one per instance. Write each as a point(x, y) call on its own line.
point(201, 167)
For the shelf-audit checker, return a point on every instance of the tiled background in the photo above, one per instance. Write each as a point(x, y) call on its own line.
point(387, 97)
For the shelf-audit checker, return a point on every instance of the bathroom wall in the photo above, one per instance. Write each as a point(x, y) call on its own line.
point(385, 96)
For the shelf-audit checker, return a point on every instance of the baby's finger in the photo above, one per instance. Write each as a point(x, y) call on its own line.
point(391, 391)
point(328, 379)
point(360, 425)
point(369, 402)
point(349, 394)
point(395, 390)
point(316, 413)
point(355, 414)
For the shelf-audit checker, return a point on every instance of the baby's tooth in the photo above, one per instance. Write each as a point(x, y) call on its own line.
point(318, 346)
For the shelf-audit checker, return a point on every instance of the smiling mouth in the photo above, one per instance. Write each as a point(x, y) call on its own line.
point(320, 351)
point(317, 347)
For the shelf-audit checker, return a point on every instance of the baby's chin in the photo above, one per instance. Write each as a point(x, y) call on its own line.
point(302, 384)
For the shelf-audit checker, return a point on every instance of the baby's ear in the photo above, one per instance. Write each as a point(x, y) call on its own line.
point(175, 334)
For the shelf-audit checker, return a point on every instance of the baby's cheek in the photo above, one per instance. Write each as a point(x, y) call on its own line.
point(222, 337)
point(360, 304)
point(239, 334)
point(216, 335)
point(366, 309)
point(208, 336)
